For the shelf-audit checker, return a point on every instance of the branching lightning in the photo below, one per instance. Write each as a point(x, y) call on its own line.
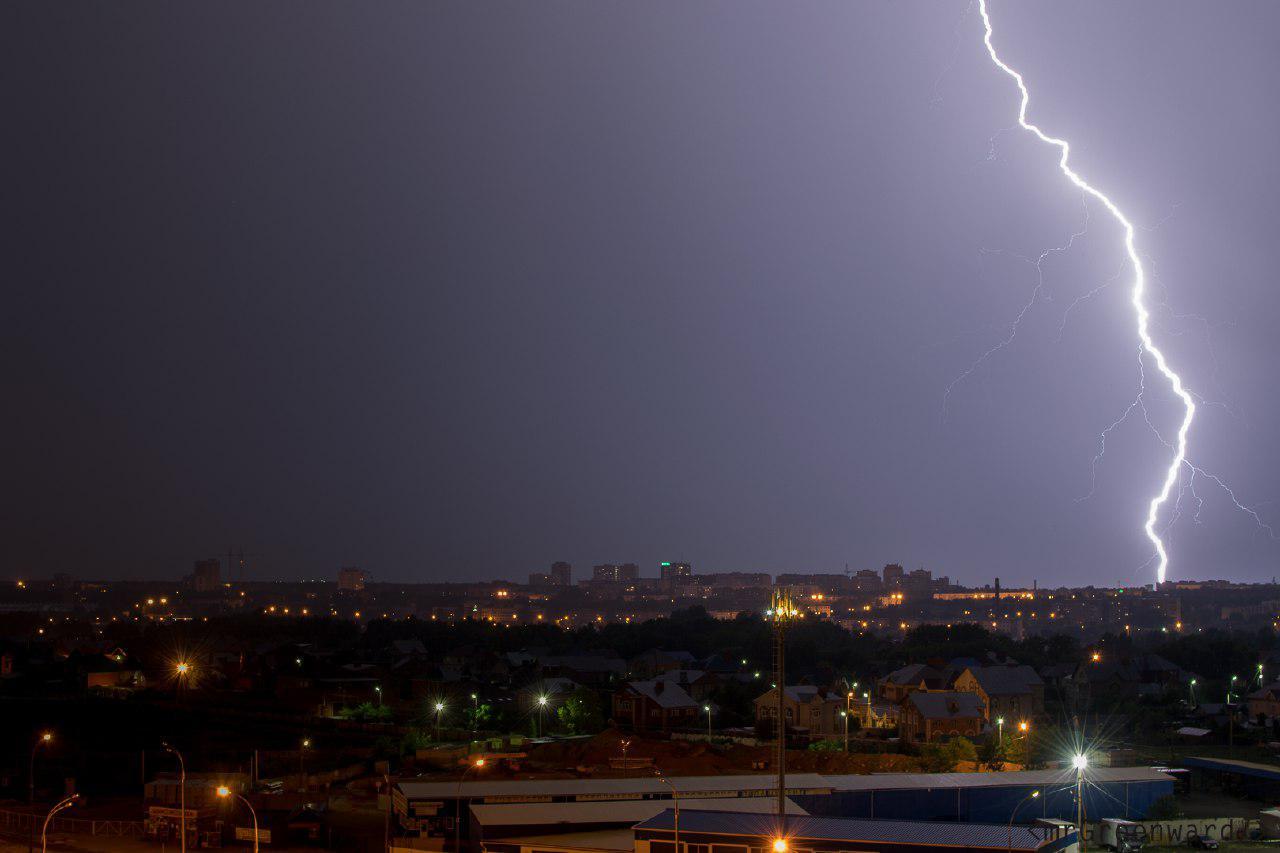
point(1138, 300)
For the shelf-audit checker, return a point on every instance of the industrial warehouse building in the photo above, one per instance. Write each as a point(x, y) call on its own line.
point(750, 833)
point(579, 806)
point(1124, 792)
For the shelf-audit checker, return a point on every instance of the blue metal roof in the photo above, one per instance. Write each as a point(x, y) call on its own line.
point(1244, 768)
point(800, 828)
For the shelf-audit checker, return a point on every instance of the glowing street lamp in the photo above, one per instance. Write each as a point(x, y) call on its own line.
point(1080, 762)
point(45, 739)
point(542, 704)
point(377, 688)
point(303, 746)
point(1000, 728)
point(1230, 685)
point(44, 830)
point(224, 792)
point(182, 795)
point(707, 708)
point(457, 803)
point(779, 845)
point(845, 715)
point(439, 713)
point(1033, 795)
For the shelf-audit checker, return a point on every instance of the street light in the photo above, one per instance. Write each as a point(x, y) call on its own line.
point(779, 845)
point(182, 795)
point(44, 830)
point(845, 714)
point(457, 803)
point(1080, 762)
point(377, 688)
point(542, 703)
point(439, 711)
point(1000, 728)
point(45, 738)
point(1230, 684)
point(303, 746)
point(1031, 796)
point(675, 795)
point(707, 708)
point(224, 792)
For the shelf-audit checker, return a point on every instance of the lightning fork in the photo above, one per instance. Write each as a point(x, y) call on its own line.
point(1138, 297)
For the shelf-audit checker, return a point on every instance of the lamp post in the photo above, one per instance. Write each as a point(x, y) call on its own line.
point(1230, 685)
point(475, 713)
point(224, 792)
point(542, 704)
point(303, 746)
point(377, 688)
point(182, 795)
point(1080, 762)
point(675, 795)
point(1259, 676)
point(44, 739)
point(44, 830)
point(707, 708)
point(1031, 796)
point(439, 712)
point(867, 696)
point(1000, 729)
point(1191, 690)
point(457, 803)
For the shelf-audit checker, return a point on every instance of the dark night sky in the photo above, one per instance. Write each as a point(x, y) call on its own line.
point(455, 289)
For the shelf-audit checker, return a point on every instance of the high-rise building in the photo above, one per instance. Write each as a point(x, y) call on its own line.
point(628, 572)
point(351, 579)
point(893, 575)
point(604, 572)
point(561, 574)
point(669, 571)
point(207, 576)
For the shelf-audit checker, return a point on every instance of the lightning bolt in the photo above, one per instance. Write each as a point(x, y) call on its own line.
point(1138, 299)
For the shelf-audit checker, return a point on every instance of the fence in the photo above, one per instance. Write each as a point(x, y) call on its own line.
point(24, 823)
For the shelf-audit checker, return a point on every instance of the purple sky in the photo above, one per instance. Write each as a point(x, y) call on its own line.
point(456, 289)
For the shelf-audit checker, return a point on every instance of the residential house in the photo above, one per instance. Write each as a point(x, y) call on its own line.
point(928, 715)
point(1264, 704)
point(697, 683)
point(654, 706)
point(901, 683)
point(1012, 692)
point(809, 710)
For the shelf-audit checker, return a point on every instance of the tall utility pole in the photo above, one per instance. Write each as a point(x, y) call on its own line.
point(783, 610)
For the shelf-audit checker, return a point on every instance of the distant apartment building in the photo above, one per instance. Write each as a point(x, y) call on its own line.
point(892, 575)
point(867, 580)
point(561, 574)
point(207, 576)
point(615, 572)
point(351, 579)
point(669, 571)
